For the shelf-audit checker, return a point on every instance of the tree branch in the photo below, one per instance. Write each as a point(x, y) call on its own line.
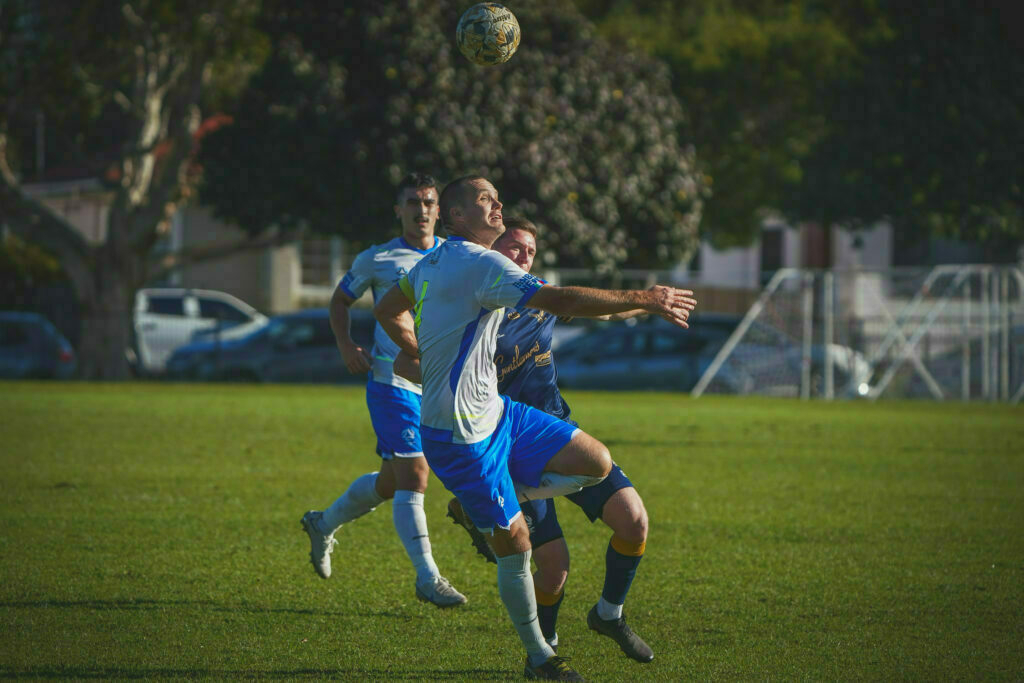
point(31, 220)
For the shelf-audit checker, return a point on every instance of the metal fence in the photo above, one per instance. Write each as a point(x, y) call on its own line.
point(949, 332)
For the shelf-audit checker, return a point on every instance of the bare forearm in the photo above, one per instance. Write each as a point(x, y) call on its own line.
point(408, 367)
point(672, 304)
point(400, 329)
point(588, 302)
point(340, 320)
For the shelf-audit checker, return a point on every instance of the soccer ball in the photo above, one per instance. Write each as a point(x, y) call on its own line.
point(488, 34)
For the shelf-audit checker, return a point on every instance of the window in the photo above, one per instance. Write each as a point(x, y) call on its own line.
point(320, 259)
point(12, 334)
point(323, 335)
point(167, 305)
point(219, 310)
point(667, 344)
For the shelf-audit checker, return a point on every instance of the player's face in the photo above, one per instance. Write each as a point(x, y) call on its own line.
point(417, 209)
point(519, 246)
point(483, 210)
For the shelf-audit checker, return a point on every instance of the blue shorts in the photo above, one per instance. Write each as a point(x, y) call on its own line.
point(481, 474)
point(395, 414)
point(542, 518)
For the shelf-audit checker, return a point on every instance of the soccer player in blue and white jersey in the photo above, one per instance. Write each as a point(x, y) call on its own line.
point(393, 402)
point(487, 449)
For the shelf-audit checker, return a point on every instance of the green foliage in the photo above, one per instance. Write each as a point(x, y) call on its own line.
point(849, 112)
point(749, 73)
point(152, 532)
point(74, 64)
point(928, 130)
point(579, 137)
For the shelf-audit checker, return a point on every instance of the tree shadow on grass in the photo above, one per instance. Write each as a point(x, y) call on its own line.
point(354, 673)
point(144, 604)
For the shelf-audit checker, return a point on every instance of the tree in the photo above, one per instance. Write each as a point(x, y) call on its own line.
point(845, 112)
point(751, 74)
point(579, 137)
point(124, 86)
point(927, 131)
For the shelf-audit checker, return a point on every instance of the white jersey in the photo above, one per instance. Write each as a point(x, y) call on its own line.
point(459, 293)
point(380, 267)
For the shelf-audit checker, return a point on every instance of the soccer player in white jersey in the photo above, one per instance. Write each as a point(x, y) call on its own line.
point(485, 448)
point(393, 402)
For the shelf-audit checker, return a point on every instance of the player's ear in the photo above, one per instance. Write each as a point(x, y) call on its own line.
point(398, 211)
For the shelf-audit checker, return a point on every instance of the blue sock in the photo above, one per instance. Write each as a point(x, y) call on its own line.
point(620, 568)
point(548, 616)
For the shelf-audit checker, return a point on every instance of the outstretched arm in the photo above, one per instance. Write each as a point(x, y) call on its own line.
point(674, 305)
point(392, 312)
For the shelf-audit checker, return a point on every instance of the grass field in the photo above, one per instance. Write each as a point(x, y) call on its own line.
point(151, 531)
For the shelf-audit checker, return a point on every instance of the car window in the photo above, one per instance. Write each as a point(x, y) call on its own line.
point(166, 305)
point(323, 335)
point(762, 336)
point(12, 334)
point(221, 310)
point(664, 343)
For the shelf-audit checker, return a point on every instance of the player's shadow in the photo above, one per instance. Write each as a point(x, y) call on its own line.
point(144, 604)
point(360, 674)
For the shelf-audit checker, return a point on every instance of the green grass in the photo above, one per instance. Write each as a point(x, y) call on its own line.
point(151, 531)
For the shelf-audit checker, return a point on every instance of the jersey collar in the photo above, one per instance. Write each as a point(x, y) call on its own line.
point(437, 242)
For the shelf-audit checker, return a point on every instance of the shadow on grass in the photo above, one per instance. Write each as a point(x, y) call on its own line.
point(315, 674)
point(143, 604)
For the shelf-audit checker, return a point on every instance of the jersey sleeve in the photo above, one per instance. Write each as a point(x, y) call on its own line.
point(504, 284)
point(359, 277)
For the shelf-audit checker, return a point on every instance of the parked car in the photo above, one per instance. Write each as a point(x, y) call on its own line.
point(947, 368)
point(656, 355)
point(32, 348)
point(167, 318)
point(295, 347)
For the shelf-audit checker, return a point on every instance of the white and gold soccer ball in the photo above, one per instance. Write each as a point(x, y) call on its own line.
point(488, 34)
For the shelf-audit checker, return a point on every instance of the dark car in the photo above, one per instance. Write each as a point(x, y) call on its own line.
point(656, 355)
point(32, 348)
point(295, 347)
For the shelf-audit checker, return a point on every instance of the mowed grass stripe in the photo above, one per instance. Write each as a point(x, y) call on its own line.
point(151, 530)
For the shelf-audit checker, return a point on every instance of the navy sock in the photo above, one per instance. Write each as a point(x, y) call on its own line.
point(620, 569)
point(547, 615)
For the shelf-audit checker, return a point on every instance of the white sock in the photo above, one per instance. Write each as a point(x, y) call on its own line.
point(411, 525)
point(553, 484)
point(608, 611)
point(360, 498)
point(515, 586)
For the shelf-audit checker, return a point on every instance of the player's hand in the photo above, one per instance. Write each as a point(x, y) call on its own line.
point(356, 358)
point(672, 304)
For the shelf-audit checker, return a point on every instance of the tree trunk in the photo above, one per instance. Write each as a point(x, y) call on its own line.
point(107, 310)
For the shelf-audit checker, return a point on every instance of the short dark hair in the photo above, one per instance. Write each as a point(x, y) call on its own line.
point(415, 181)
point(518, 223)
point(454, 194)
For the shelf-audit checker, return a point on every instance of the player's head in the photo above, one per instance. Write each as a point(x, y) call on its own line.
point(416, 205)
point(470, 208)
point(518, 242)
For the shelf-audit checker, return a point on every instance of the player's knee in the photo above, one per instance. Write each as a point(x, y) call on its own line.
point(550, 577)
point(635, 529)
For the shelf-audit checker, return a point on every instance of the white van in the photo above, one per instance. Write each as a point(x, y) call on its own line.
point(167, 318)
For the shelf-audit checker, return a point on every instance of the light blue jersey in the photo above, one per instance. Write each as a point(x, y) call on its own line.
point(380, 267)
point(459, 292)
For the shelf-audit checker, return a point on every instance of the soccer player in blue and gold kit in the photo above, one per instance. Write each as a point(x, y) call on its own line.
point(527, 373)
